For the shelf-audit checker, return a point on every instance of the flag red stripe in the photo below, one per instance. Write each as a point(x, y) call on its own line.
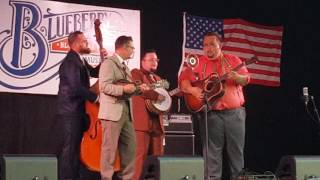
point(265, 63)
point(264, 72)
point(246, 23)
point(271, 64)
point(246, 41)
point(255, 34)
point(250, 51)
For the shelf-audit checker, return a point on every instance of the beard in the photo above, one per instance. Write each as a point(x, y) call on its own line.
point(212, 56)
point(85, 50)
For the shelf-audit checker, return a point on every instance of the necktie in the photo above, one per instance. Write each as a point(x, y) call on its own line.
point(152, 78)
point(124, 69)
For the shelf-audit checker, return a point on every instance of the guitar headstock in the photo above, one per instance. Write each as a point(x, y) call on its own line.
point(252, 60)
point(162, 84)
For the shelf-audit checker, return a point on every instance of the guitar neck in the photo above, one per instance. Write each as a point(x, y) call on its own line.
point(253, 59)
point(223, 77)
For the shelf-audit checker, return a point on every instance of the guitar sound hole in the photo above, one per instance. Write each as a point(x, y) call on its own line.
point(209, 87)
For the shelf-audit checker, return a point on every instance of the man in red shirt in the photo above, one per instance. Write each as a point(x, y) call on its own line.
point(226, 115)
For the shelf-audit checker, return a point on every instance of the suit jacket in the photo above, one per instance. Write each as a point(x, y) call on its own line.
point(110, 105)
point(74, 85)
point(143, 119)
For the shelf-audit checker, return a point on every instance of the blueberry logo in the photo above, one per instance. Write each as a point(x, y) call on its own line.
point(28, 48)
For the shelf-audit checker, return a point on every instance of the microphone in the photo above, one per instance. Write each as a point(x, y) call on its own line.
point(305, 93)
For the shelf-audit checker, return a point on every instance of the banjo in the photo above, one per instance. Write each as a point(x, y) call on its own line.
point(163, 106)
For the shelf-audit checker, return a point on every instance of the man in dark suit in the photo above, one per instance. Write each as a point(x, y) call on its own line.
point(73, 91)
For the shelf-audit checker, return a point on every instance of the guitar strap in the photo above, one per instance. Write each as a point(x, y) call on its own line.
point(214, 70)
point(225, 61)
point(204, 70)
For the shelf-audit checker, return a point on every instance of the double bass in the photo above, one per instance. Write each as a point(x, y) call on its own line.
point(90, 149)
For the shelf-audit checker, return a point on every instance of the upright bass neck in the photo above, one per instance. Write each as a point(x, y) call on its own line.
point(98, 35)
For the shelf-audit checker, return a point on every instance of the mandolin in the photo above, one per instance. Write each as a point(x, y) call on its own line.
point(159, 84)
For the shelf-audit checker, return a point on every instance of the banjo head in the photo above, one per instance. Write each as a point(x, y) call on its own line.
point(165, 105)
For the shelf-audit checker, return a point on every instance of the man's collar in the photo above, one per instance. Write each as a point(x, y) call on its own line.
point(119, 57)
point(81, 57)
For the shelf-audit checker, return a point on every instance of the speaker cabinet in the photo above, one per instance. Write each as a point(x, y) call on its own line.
point(299, 167)
point(31, 167)
point(173, 168)
point(177, 124)
point(179, 144)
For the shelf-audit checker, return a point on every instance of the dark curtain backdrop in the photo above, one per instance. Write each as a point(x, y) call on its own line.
point(277, 123)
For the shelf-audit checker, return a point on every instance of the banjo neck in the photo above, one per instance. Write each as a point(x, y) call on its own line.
point(174, 91)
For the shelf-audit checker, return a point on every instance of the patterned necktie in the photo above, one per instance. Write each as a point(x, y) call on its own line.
point(124, 69)
point(152, 78)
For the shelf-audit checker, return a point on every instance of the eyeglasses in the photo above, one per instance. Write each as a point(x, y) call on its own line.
point(153, 60)
point(130, 47)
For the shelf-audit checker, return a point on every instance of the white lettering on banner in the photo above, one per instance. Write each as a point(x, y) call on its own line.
point(33, 40)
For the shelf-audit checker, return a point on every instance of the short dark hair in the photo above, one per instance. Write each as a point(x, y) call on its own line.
point(122, 40)
point(213, 34)
point(147, 51)
point(73, 36)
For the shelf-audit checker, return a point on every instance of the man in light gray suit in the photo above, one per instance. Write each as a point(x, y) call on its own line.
point(114, 112)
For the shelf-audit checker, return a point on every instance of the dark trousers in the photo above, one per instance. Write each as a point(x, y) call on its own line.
point(226, 130)
point(69, 156)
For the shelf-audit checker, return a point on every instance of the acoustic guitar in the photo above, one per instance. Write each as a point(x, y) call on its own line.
point(212, 86)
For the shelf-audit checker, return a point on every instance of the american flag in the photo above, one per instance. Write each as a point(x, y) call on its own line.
point(241, 38)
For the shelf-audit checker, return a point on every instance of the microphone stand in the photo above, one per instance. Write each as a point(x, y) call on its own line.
point(315, 108)
point(205, 111)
